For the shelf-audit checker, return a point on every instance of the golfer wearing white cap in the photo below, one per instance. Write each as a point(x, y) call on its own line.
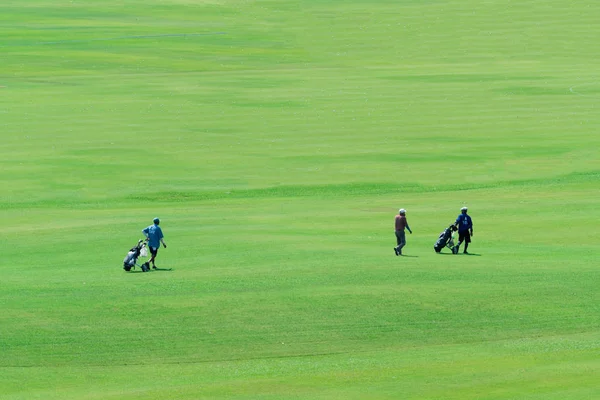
point(465, 229)
point(399, 226)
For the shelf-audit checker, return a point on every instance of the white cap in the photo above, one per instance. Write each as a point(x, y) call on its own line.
point(402, 211)
point(464, 208)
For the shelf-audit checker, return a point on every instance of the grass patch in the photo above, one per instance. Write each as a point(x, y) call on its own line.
point(276, 141)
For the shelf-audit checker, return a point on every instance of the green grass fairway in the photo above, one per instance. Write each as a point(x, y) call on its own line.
point(276, 140)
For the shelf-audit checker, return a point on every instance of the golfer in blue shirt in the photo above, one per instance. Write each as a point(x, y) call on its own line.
point(465, 229)
point(154, 236)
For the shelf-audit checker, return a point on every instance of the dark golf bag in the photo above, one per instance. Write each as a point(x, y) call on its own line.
point(445, 240)
point(130, 260)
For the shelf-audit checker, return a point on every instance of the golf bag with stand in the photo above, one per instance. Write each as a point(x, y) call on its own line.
point(130, 260)
point(446, 239)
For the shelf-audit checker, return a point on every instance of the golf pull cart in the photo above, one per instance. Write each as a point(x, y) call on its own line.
point(446, 239)
point(130, 260)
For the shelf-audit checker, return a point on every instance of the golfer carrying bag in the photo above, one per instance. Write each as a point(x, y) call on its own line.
point(154, 236)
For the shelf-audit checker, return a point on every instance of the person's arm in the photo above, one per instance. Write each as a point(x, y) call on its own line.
point(408, 227)
point(145, 232)
point(161, 238)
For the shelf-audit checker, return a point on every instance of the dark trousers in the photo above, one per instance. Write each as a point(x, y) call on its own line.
point(400, 239)
point(464, 237)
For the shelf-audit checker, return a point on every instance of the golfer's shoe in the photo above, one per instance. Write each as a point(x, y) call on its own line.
point(154, 267)
point(465, 252)
point(396, 250)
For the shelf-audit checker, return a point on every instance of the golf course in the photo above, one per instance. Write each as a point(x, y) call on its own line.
point(276, 141)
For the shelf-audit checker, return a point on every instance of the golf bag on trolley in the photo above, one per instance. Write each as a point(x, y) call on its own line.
point(130, 260)
point(446, 239)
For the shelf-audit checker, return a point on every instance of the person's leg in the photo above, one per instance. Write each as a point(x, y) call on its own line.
point(153, 252)
point(461, 238)
point(397, 243)
point(401, 241)
point(467, 241)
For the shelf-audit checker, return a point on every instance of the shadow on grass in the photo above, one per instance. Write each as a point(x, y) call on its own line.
point(460, 254)
point(139, 271)
point(404, 255)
